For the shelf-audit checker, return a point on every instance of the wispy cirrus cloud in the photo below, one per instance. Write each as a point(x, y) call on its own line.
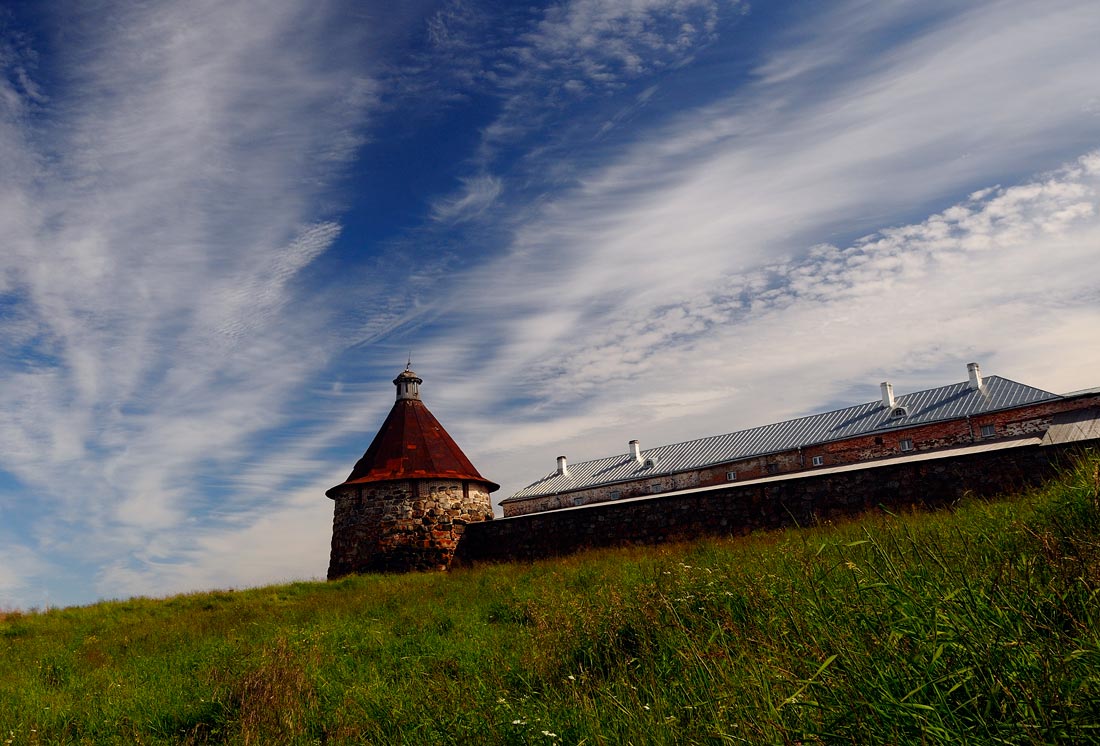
point(479, 193)
point(535, 63)
point(159, 327)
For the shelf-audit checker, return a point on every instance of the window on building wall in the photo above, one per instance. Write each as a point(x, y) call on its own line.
point(615, 494)
point(578, 501)
point(988, 431)
point(906, 444)
point(817, 460)
point(773, 468)
point(731, 476)
point(654, 489)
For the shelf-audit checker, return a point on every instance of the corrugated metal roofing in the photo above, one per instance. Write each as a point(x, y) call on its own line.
point(923, 407)
point(955, 452)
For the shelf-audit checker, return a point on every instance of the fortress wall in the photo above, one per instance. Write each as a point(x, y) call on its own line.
point(740, 508)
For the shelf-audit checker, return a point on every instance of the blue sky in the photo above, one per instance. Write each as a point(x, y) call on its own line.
point(227, 224)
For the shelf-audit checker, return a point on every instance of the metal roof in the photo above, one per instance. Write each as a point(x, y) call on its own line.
point(922, 407)
point(411, 444)
point(908, 458)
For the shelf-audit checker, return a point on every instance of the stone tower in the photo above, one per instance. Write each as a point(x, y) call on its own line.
point(407, 501)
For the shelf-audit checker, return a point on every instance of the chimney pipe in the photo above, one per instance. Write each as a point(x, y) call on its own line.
point(636, 451)
point(563, 467)
point(975, 372)
point(887, 394)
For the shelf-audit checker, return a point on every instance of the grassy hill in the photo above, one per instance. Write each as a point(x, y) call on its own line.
point(980, 624)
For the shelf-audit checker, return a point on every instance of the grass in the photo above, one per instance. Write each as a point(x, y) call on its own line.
point(980, 624)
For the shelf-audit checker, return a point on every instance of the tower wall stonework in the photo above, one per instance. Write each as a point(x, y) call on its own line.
point(403, 525)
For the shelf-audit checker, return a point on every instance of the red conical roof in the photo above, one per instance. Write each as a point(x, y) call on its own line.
point(411, 444)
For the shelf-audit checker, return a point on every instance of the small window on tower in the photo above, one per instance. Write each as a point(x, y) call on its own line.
point(817, 460)
point(906, 444)
point(988, 431)
point(578, 501)
point(731, 476)
point(773, 468)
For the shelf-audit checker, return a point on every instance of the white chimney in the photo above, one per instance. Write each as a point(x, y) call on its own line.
point(887, 394)
point(636, 451)
point(975, 373)
point(563, 468)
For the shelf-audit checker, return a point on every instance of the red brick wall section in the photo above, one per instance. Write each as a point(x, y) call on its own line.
point(742, 508)
point(1033, 419)
point(403, 526)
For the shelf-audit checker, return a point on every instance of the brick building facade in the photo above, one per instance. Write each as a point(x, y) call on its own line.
point(979, 410)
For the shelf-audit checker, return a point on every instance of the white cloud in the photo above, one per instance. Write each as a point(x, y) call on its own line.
point(288, 541)
point(478, 194)
point(155, 257)
point(700, 273)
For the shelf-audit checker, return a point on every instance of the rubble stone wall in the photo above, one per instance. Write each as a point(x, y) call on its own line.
point(402, 526)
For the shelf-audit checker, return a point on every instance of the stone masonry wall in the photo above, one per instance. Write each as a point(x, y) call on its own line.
point(405, 525)
point(1032, 419)
point(741, 508)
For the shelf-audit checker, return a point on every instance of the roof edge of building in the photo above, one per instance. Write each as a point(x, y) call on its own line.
point(331, 491)
point(516, 497)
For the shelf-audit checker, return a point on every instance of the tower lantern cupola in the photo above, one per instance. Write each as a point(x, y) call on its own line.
point(408, 385)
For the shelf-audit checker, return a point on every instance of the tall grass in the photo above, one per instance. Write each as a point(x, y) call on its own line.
point(980, 624)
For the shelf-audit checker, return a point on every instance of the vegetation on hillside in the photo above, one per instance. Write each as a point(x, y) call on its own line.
point(976, 624)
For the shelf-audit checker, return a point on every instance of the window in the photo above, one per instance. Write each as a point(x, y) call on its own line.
point(615, 494)
point(773, 468)
point(731, 476)
point(654, 489)
point(817, 460)
point(578, 501)
point(988, 431)
point(899, 412)
point(906, 444)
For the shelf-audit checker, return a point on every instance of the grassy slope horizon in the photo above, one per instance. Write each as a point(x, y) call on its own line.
point(974, 624)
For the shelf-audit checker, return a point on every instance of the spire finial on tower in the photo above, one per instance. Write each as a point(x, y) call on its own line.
point(408, 383)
